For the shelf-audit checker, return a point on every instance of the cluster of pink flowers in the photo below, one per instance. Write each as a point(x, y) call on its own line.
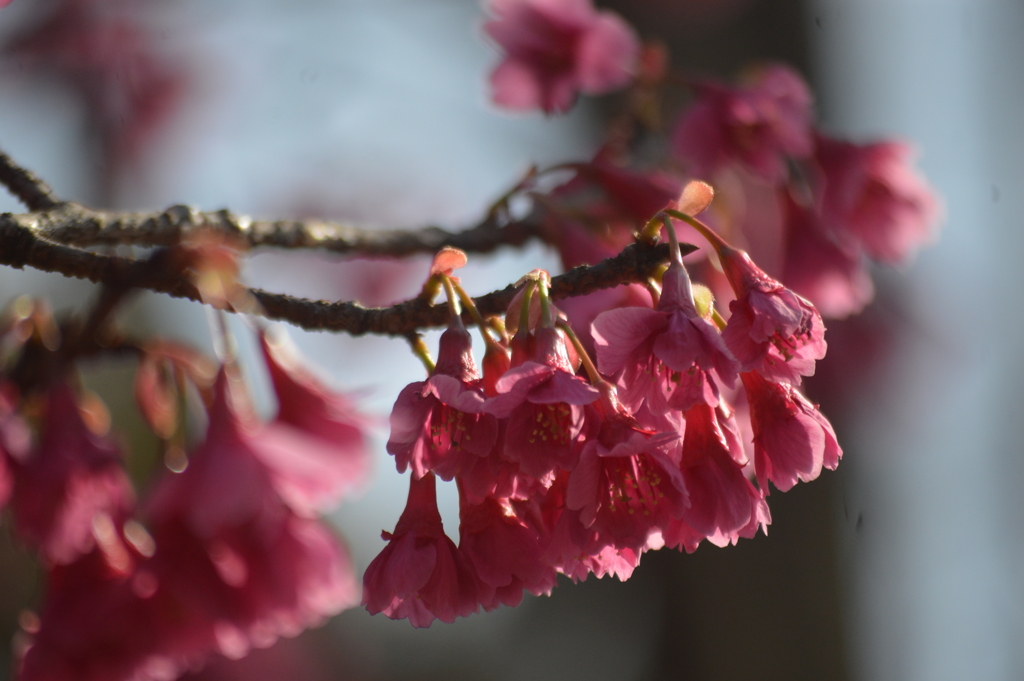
point(562, 474)
point(811, 209)
point(815, 208)
point(225, 553)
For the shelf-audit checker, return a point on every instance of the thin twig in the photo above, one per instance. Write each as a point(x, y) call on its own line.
point(29, 189)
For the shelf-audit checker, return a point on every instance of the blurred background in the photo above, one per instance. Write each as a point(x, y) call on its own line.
point(905, 564)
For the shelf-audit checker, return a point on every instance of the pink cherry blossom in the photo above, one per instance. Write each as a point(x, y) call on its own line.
point(420, 575)
point(655, 353)
point(771, 329)
point(555, 49)
point(316, 448)
point(101, 622)
point(835, 279)
point(506, 553)
point(758, 126)
point(792, 440)
point(873, 198)
point(543, 405)
point(571, 548)
point(618, 563)
point(438, 424)
point(626, 196)
point(626, 486)
point(71, 478)
point(15, 442)
point(724, 505)
point(232, 557)
point(690, 340)
point(496, 476)
point(624, 345)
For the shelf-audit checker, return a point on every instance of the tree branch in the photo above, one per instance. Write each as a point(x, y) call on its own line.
point(22, 246)
point(73, 224)
point(29, 189)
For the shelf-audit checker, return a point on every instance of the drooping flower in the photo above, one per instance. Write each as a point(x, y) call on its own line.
point(71, 478)
point(635, 343)
point(724, 505)
point(505, 552)
point(757, 126)
point(555, 49)
point(316, 448)
point(15, 442)
point(626, 487)
point(771, 329)
point(233, 560)
point(101, 621)
point(792, 440)
point(873, 199)
point(543, 402)
point(573, 549)
point(420, 575)
point(834, 278)
point(439, 424)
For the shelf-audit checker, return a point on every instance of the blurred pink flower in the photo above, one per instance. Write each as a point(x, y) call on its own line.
point(873, 199)
point(758, 126)
point(835, 279)
point(15, 442)
point(111, 59)
point(239, 566)
point(70, 479)
point(316, 448)
point(555, 49)
point(100, 622)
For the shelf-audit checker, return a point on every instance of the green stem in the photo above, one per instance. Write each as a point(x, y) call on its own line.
point(419, 348)
point(468, 303)
point(649, 234)
point(673, 240)
point(654, 290)
point(588, 364)
point(453, 298)
point(524, 310)
point(719, 321)
point(716, 241)
point(547, 319)
point(497, 324)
